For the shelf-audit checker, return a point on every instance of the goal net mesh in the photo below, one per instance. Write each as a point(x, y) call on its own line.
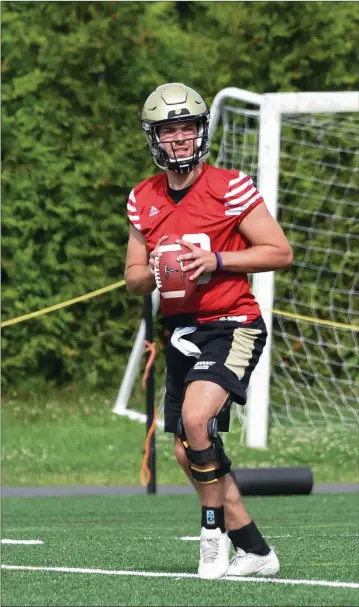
point(315, 353)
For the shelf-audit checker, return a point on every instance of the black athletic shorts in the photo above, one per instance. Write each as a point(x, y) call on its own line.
point(230, 351)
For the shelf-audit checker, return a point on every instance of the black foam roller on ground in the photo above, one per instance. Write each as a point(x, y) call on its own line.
point(274, 481)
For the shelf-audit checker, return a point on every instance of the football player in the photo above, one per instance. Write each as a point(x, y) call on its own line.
point(223, 219)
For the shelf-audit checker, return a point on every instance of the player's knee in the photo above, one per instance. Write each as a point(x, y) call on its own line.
point(195, 428)
point(209, 464)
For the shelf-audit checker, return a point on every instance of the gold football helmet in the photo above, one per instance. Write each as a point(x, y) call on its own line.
point(169, 103)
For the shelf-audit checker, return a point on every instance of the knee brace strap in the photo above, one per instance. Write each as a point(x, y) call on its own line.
point(210, 475)
point(199, 458)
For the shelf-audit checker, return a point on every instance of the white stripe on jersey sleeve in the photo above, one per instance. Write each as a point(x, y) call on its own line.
point(244, 207)
point(243, 198)
point(236, 205)
point(132, 212)
point(238, 179)
point(245, 183)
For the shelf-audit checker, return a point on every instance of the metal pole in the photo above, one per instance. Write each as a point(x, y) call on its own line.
point(150, 396)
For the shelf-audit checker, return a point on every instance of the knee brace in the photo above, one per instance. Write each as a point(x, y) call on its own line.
point(213, 453)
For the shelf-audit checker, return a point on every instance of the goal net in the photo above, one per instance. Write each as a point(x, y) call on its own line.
point(315, 353)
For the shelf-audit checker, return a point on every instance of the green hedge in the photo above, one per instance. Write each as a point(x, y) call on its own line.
point(75, 75)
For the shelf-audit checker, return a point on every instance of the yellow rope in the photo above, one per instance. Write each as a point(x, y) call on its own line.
point(121, 283)
point(317, 321)
point(69, 302)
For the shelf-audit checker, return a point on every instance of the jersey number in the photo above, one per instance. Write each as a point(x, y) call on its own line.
point(202, 241)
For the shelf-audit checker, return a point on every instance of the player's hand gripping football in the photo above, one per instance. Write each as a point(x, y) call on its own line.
point(201, 261)
point(155, 255)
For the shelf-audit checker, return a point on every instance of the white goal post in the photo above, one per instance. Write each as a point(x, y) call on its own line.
point(133, 367)
point(303, 159)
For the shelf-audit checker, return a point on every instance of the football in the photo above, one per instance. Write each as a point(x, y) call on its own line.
point(171, 281)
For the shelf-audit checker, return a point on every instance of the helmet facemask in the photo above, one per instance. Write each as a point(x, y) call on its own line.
point(180, 165)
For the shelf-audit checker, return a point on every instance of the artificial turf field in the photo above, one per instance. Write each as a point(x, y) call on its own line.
point(123, 550)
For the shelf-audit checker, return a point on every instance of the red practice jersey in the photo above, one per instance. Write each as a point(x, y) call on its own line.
point(208, 216)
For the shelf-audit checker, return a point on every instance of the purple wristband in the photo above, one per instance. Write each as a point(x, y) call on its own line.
point(219, 260)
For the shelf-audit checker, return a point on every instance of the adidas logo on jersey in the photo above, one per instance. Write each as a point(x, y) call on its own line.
point(204, 364)
point(153, 211)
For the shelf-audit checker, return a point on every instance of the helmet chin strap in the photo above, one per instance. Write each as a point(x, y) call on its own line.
point(181, 165)
point(182, 169)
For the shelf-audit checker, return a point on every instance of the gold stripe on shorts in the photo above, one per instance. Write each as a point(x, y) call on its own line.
point(241, 350)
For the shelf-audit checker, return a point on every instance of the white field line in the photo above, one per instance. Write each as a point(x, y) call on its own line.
point(160, 574)
point(193, 538)
point(22, 542)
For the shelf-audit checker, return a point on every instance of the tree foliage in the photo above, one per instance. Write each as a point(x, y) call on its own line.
point(75, 76)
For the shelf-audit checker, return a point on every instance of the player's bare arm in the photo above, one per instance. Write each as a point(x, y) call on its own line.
point(270, 249)
point(139, 272)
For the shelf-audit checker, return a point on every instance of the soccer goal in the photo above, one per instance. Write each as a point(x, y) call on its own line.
point(302, 151)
